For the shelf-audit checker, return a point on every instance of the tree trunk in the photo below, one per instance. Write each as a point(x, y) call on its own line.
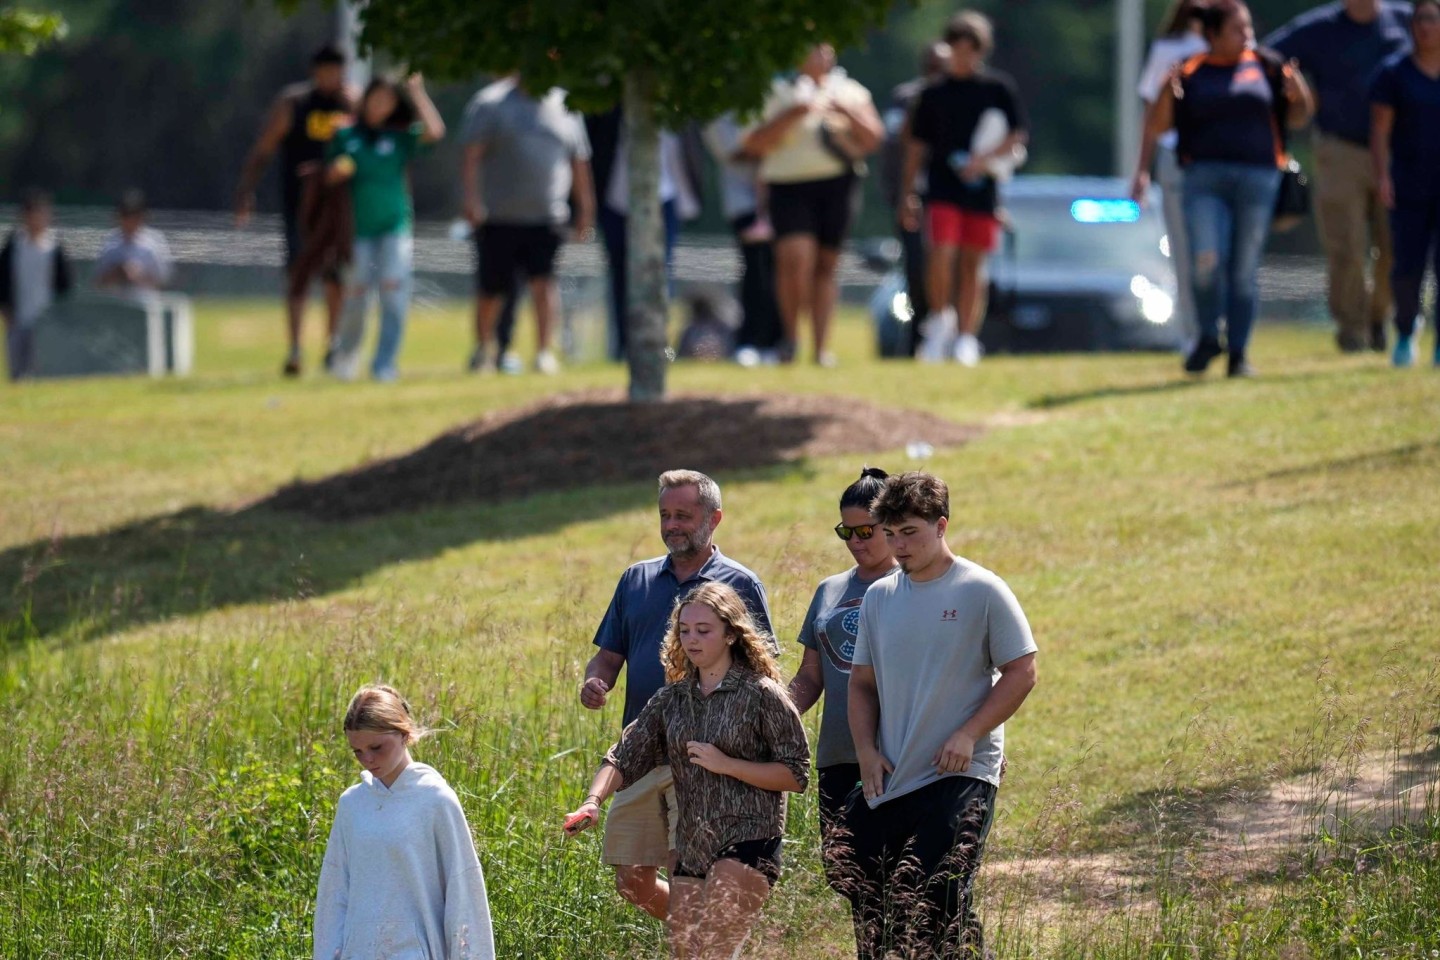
point(647, 307)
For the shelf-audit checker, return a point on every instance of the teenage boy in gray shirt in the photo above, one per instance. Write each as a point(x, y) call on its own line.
point(943, 657)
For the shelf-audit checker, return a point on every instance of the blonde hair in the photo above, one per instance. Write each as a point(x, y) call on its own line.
point(750, 648)
point(379, 708)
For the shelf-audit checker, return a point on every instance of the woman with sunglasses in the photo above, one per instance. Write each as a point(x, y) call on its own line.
point(828, 635)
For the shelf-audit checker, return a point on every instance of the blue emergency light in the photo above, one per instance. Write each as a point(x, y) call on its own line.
point(1108, 210)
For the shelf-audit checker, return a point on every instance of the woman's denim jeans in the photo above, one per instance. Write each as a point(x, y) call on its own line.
point(383, 262)
point(1228, 208)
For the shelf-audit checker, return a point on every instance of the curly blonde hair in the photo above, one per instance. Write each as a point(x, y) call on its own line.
point(750, 648)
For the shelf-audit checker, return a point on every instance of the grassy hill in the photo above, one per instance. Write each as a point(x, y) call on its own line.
point(1231, 583)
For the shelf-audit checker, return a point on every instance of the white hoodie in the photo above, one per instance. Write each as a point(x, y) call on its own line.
point(401, 880)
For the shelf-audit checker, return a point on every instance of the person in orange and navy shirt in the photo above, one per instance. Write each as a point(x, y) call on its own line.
point(1231, 108)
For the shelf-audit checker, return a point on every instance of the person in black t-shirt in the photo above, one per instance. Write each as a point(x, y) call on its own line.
point(299, 126)
point(959, 129)
point(934, 62)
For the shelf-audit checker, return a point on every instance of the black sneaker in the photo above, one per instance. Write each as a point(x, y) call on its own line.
point(1199, 359)
point(329, 361)
point(292, 366)
point(1239, 366)
point(1350, 342)
point(1377, 338)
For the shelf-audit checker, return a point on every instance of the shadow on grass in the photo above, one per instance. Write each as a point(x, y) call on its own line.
point(1404, 455)
point(1052, 401)
point(513, 474)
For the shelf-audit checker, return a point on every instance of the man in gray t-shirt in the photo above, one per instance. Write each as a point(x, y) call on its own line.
point(943, 657)
point(524, 160)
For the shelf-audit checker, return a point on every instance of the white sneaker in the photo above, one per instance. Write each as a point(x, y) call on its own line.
point(938, 333)
point(511, 364)
point(346, 366)
point(967, 350)
point(546, 363)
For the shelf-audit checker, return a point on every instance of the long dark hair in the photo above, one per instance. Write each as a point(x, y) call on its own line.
point(1178, 18)
point(863, 492)
point(404, 113)
point(1214, 13)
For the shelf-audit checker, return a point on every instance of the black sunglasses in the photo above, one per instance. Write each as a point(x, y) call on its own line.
point(865, 531)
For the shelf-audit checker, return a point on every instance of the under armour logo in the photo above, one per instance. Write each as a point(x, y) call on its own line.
point(950, 615)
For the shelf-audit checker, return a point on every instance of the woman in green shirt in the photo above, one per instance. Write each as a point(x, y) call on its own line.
point(374, 156)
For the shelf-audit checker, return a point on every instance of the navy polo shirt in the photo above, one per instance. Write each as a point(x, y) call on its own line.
point(634, 626)
point(1415, 137)
point(1340, 56)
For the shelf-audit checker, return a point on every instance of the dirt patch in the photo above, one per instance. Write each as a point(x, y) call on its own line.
point(583, 439)
point(1260, 836)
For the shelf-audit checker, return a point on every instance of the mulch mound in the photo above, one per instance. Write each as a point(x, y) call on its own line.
point(584, 439)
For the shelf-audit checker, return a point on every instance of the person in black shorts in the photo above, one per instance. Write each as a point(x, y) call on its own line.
point(525, 157)
point(300, 124)
point(815, 132)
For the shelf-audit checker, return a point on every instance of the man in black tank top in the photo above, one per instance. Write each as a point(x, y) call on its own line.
point(300, 124)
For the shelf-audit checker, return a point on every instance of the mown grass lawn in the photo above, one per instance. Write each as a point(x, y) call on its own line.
point(1229, 582)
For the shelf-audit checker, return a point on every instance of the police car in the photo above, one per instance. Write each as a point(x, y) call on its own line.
point(1082, 268)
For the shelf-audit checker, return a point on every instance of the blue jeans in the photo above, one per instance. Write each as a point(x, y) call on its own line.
point(1228, 208)
point(383, 262)
point(20, 345)
point(1415, 234)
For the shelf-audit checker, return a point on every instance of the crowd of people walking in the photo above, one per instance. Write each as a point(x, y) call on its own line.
point(1220, 115)
point(919, 655)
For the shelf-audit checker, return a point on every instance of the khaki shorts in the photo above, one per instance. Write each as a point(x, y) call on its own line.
point(640, 827)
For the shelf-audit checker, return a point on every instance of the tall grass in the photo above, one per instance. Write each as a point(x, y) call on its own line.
point(1231, 584)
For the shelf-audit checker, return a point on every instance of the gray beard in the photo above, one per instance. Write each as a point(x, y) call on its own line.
point(695, 545)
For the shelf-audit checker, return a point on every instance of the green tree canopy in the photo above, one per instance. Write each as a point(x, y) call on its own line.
point(23, 31)
point(703, 56)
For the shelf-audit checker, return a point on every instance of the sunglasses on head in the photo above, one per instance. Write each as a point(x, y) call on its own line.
point(864, 531)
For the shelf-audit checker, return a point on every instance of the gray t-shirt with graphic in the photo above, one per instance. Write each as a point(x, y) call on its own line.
point(936, 648)
point(529, 144)
point(829, 629)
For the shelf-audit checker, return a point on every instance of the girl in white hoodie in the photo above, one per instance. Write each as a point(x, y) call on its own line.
point(400, 880)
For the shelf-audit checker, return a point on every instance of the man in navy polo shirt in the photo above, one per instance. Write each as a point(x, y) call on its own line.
point(640, 828)
point(1340, 45)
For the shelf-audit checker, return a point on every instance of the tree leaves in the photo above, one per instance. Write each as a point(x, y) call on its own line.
point(706, 56)
point(24, 31)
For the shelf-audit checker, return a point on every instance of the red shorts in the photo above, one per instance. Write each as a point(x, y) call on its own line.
point(947, 225)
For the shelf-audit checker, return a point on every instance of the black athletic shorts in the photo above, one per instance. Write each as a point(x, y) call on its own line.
point(820, 208)
point(762, 855)
point(507, 250)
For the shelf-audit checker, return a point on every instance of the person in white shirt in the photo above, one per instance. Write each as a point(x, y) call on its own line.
point(1179, 39)
point(400, 876)
point(816, 131)
point(33, 272)
point(135, 257)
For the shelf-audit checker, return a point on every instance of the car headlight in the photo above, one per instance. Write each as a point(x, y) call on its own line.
point(1157, 306)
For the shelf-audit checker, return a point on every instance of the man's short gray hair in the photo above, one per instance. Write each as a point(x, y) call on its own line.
point(708, 489)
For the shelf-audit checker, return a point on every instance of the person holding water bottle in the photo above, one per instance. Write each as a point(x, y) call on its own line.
point(968, 131)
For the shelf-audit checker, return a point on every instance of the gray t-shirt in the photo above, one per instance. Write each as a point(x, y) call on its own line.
point(529, 146)
point(829, 628)
point(935, 647)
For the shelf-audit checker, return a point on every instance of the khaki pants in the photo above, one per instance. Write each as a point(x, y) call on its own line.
point(1354, 230)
